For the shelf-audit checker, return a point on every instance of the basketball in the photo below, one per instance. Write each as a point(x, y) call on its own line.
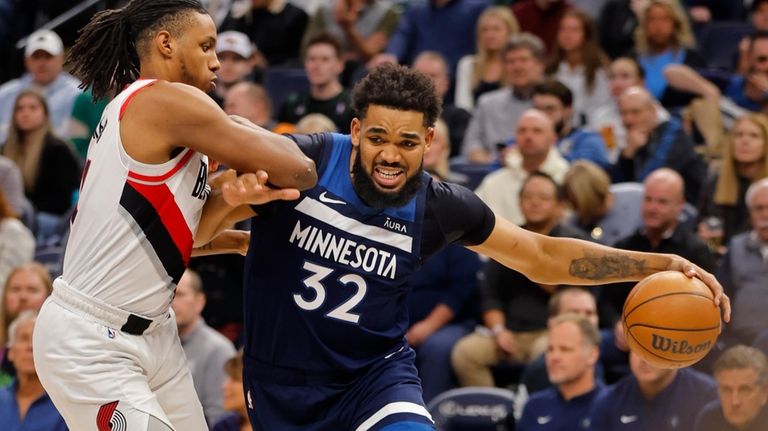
point(670, 319)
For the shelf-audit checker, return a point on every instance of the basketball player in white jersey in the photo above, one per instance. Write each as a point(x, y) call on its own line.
point(106, 346)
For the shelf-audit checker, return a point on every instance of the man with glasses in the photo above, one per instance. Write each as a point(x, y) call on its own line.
point(750, 91)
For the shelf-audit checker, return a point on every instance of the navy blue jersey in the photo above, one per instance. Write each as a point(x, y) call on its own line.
point(547, 410)
point(326, 275)
point(623, 407)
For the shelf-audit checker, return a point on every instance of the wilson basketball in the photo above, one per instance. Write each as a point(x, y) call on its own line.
point(670, 320)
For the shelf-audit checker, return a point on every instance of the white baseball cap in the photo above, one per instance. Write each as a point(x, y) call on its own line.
point(234, 41)
point(44, 40)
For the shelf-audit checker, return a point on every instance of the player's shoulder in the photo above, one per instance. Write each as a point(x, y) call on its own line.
point(695, 378)
point(448, 190)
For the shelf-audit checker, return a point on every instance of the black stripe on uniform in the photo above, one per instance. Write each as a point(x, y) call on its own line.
point(149, 221)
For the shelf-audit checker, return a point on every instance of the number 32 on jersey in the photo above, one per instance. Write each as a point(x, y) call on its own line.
point(315, 283)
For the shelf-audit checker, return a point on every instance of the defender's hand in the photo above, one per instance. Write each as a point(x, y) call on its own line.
point(252, 189)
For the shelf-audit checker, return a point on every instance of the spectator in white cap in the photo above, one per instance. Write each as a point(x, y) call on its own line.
point(236, 55)
point(44, 64)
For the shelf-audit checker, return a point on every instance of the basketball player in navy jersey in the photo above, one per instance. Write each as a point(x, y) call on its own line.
point(325, 283)
point(106, 344)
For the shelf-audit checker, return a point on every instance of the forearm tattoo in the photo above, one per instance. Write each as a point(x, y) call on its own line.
point(603, 266)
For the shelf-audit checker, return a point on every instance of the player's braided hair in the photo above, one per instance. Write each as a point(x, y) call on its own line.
point(106, 54)
point(400, 88)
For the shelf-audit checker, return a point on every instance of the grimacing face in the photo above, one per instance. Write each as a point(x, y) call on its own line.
point(389, 149)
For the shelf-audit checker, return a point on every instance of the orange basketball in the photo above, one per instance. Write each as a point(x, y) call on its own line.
point(670, 320)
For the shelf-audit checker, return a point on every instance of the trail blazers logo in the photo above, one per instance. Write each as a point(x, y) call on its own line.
point(110, 418)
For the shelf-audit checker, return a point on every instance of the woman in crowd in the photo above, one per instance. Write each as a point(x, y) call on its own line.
point(722, 210)
point(605, 215)
point(483, 71)
point(48, 165)
point(234, 398)
point(578, 62)
point(17, 244)
point(26, 288)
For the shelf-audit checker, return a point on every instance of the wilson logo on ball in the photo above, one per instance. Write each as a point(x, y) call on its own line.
point(665, 344)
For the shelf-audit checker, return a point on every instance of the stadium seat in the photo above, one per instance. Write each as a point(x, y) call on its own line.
point(719, 43)
point(281, 81)
point(473, 172)
point(475, 409)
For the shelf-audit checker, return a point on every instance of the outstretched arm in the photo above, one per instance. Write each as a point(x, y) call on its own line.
point(231, 199)
point(551, 260)
point(166, 116)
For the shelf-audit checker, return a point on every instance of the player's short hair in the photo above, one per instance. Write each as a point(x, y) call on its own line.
point(23, 317)
point(400, 88)
point(742, 357)
point(106, 56)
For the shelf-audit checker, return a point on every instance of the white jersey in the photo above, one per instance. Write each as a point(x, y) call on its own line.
point(133, 229)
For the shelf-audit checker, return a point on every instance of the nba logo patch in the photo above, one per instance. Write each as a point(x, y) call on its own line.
point(111, 333)
point(250, 399)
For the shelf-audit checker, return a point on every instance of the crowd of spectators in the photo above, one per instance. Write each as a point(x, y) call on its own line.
point(623, 122)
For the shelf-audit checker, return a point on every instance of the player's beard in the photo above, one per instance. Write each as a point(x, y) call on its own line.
point(369, 192)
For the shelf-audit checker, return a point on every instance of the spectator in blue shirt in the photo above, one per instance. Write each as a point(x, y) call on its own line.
point(25, 406)
point(574, 143)
point(572, 353)
point(742, 385)
point(653, 398)
point(750, 90)
point(445, 26)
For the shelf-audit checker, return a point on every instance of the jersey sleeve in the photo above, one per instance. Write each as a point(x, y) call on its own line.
point(455, 214)
point(312, 145)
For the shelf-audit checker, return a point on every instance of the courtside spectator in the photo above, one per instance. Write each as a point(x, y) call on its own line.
point(572, 352)
point(275, 26)
point(326, 95)
point(722, 208)
point(234, 398)
point(250, 101)
point(433, 64)
point(235, 53)
point(17, 244)
point(483, 71)
point(496, 113)
point(744, 270)
point(206, 349)
point(49, 166)
point(652, 144)
point(578, 62)
point(534, 150)
point(25, 405)
point(653, 398)
point(44, 64)
point(741, 373)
